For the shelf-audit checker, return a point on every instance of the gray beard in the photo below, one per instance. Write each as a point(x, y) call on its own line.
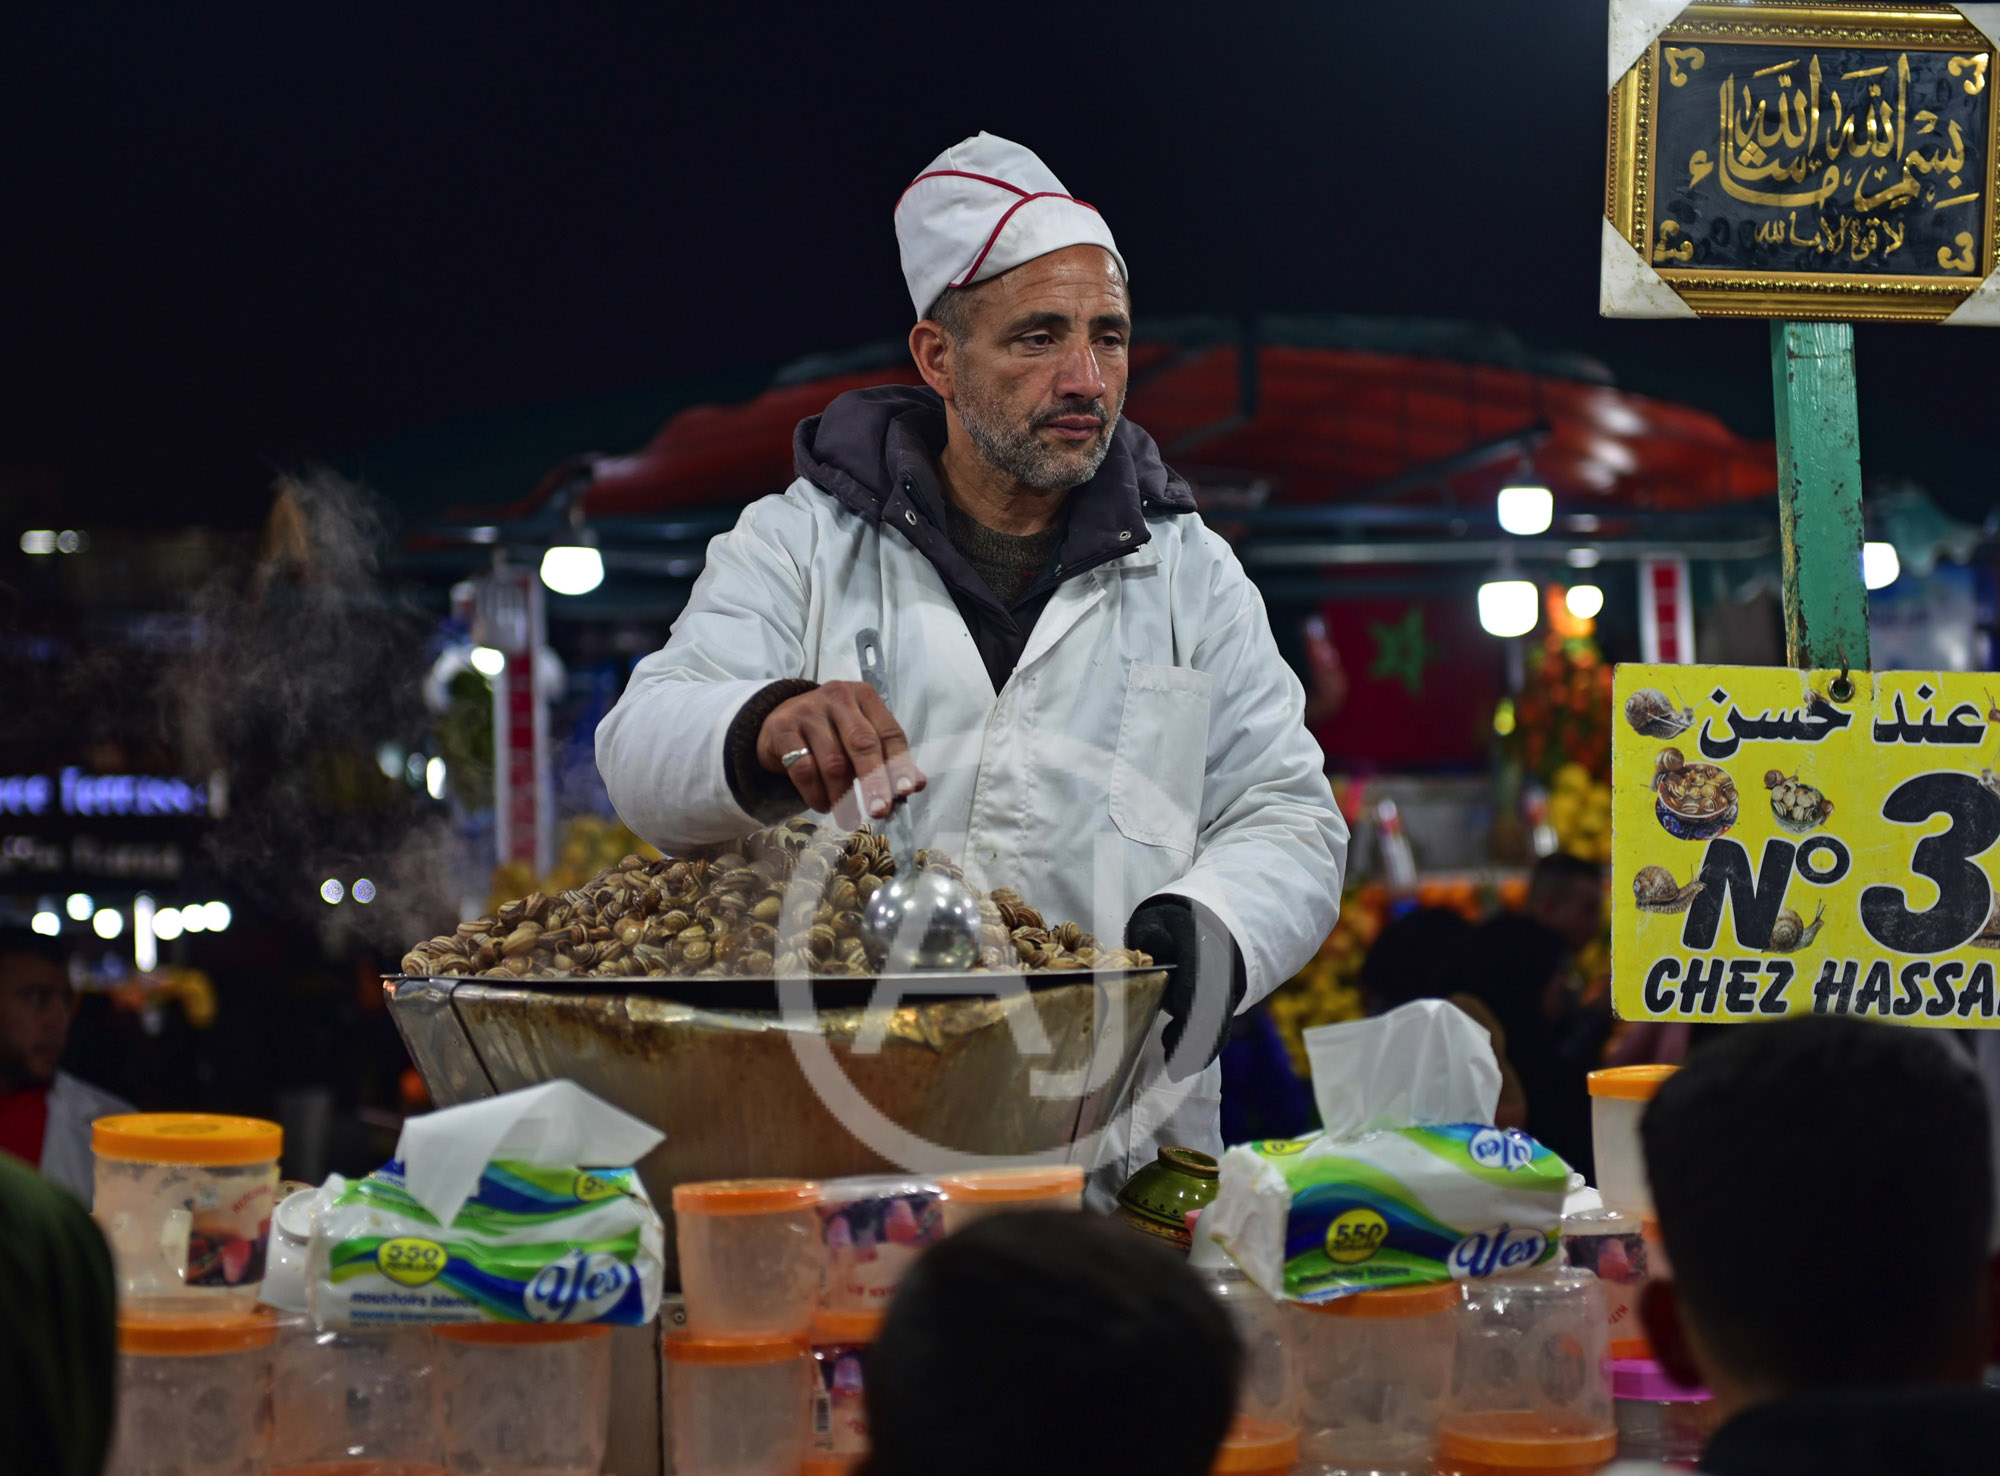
point(1017, 451)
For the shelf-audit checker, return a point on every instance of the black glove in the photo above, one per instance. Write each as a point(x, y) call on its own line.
point(1207, 984)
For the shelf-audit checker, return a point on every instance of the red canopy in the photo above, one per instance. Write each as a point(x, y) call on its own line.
point(1329, 424)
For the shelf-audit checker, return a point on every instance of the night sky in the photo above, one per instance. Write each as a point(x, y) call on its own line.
point(239, 237)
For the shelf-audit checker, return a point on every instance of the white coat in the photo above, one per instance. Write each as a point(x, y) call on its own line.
point(1149, 741)
point(74, 1105)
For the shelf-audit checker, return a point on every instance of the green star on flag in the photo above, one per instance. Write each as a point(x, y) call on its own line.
point(1401, 652)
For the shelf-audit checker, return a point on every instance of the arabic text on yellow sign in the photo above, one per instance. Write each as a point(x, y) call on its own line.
point(1777, 852)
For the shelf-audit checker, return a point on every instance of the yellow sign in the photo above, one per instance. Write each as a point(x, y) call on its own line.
point(1776, 851)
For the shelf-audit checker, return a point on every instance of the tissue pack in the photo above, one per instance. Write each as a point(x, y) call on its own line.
point(1315, 1218)
point(544, 1244)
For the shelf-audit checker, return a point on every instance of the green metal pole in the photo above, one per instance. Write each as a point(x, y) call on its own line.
point(1819, 495)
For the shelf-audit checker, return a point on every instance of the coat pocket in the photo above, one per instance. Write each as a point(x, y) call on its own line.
point(1162, 757)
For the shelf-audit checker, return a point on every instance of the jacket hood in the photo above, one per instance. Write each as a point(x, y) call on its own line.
point(862, 446)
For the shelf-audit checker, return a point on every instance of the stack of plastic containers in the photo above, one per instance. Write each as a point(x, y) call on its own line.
point(184, 1200)
point(1530, 1393)
point(1376, 1368)
point(973, 1196)
point(1267, 1401)
point(739, 1376)
point(525, 1397)
point(1622, 1245)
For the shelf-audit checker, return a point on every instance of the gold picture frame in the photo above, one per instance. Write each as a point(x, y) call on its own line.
point(1741, 253)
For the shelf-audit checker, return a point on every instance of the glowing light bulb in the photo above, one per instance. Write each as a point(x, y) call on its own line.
point(1880, 567)
point(80, 906)
point(1584, 601)
point(1508, 607)
point(575, 569)
point(1526, 510)
point(167, 924)
point(107, 922)
point(488, 661)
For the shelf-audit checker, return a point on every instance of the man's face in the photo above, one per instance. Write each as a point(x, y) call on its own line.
point(35, 1000)
point(1575, 909)
point(1039, 381)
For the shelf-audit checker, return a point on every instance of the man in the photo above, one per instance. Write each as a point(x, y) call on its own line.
point(1553, 1040)
point(1852, 1337)
point(45, 1114)
point(1086, 674)
point(1052, 1343)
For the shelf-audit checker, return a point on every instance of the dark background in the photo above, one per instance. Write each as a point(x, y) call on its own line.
point(239, 237)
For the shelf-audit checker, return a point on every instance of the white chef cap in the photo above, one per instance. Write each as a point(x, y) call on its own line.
point(982, 207)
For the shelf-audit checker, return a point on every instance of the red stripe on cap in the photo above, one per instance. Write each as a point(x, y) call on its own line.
point(1011, 189)
point(980, 259)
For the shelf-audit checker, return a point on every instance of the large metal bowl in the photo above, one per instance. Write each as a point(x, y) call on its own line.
point(720, 1066)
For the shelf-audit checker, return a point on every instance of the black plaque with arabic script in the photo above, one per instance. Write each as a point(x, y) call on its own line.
point(1821, 160)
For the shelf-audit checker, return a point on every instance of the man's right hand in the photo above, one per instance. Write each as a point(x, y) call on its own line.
point(850, 739)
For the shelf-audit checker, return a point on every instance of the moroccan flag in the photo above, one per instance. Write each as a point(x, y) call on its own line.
point(1422, 681)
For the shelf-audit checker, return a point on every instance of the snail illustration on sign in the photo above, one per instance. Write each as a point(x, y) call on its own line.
point(1653, 716)
point(1654, 890)
point(1789, 933)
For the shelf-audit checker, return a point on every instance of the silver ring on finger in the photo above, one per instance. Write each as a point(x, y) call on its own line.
point(786, 760)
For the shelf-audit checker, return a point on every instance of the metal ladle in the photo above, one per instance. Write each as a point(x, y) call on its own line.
point(917, 920)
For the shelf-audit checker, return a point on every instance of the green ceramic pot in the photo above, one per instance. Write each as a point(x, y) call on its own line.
point(1159, 1198)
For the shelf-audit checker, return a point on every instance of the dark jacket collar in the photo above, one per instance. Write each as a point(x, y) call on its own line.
point(1862, 1432)
point(875, 451)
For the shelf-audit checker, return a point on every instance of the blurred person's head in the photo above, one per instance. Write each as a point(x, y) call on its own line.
point(1825, 1191)
point(35, 1004)
point(1425, 954)
point(1566, 896)
point(1050, 1343)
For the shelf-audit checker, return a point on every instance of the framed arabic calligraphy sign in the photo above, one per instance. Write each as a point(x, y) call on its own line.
point(1811, 161)
point(1777, 852)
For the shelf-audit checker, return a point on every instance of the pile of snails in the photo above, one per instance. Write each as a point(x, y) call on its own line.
point(1694, 790)
point(1797, 805)
point(723, 913)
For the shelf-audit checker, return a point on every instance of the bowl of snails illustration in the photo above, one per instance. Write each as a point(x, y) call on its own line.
point(1694, 802)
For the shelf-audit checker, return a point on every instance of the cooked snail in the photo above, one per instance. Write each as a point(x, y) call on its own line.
point(729, 913)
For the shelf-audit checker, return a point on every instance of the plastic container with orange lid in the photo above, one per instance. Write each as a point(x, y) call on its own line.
point(1618, 1098)
point(185, 1200)
point(1375, 1367)
point(1530, 1390)
point(738, 1406)
point(974, 1195)
point(837, 1418)
point(194, 1394)
point(1257, 1448)
point(751, 1262)
point(355, 1402)
point(525, 1396)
